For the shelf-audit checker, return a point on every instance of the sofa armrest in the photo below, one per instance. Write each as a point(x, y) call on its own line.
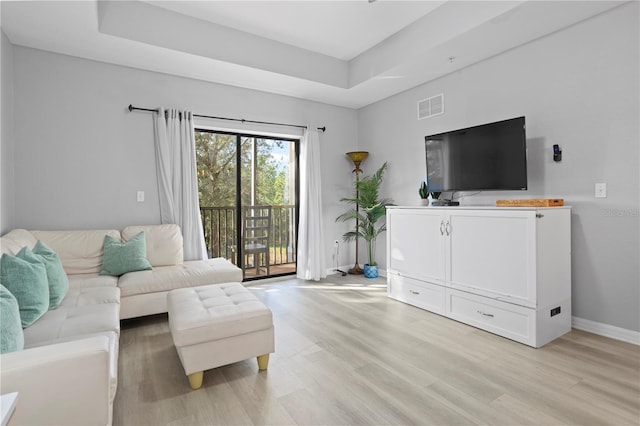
point(65, 383)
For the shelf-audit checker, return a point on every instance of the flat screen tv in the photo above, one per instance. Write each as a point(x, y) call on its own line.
point(481, 158)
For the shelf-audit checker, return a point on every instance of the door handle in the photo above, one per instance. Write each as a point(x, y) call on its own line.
point(447, 228)
point(414, 292)
point(442, 227)
point(486, 314)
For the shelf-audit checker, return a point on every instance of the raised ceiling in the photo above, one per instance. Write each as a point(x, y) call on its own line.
point(347, 53)
point(342, 30)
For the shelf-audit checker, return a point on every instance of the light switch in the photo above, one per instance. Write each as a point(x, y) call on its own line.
point(140, 196)
point(601, 190)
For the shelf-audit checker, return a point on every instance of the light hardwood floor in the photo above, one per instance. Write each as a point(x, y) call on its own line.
point(346, 354)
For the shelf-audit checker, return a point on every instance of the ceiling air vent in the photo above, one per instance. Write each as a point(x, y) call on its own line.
point(431, 106)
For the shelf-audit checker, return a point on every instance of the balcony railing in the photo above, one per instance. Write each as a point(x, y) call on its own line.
point(221, 232)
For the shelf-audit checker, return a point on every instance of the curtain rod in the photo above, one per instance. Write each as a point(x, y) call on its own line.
point(242, 120)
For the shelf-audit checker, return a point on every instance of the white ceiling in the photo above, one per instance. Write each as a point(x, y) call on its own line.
point(341, 29)
point(348, 53)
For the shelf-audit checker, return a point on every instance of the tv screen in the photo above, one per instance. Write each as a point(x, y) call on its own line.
point(481, 158)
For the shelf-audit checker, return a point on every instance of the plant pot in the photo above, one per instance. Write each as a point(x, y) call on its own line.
point(370, 271)
point(424, 201)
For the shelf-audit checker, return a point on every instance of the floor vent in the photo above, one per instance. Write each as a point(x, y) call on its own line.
point(431, 106)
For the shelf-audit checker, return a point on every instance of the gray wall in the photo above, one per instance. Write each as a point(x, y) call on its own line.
point(6, 136)
point(83, 156)
point(577, 88)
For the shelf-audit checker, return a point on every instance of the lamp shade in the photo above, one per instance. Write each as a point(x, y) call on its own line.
point(358, 156)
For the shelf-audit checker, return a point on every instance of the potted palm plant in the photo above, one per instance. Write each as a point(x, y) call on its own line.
point(370, 209)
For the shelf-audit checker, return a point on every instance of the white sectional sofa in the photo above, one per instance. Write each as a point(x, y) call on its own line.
point(67, 372)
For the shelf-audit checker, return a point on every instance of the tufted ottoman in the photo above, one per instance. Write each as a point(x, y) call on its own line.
point(218, 324)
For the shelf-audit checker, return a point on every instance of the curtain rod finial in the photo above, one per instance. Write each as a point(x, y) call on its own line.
point(130, 107)
point(323, 128)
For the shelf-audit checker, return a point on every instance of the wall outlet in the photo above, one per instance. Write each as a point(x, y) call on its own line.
point(601, 190)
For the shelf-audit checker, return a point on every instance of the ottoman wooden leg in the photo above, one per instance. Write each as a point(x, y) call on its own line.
point(263, 362)
point(195, 379)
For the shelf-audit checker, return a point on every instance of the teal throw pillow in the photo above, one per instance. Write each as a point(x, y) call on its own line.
point(25, 276)
point(58, 281)
point(11, 334)
point(120, 258)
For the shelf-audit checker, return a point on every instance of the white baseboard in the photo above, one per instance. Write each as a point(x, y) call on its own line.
point(332, 271)
point(606, 330)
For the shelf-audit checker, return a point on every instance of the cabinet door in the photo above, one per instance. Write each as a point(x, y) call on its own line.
point(492, 253)
point(415, 244)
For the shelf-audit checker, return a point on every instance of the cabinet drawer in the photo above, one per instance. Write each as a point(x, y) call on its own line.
point(505, 319)
point(417, 293)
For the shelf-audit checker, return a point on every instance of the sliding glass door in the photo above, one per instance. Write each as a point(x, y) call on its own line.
point(248, 188)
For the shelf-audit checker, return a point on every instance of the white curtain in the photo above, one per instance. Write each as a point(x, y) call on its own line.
point(311, 247)
point(176, 170)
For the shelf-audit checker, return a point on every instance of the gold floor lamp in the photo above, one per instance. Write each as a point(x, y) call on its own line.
point(357, 157)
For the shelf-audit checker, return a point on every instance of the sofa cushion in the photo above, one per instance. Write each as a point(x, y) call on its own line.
point(120, 258)
point(92, 280)
point(57, 278)
point(12, 242)
point(79, 251)
point(11, 334)
point(25, 276)
point(91, 296)
point(164, 243)
point(82, 312)
point(188, 274)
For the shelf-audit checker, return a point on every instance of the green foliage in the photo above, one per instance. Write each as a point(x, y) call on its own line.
point(370, 209)
point(216, 160)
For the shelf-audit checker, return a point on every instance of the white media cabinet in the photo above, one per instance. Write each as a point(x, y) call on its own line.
point(506, 270)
